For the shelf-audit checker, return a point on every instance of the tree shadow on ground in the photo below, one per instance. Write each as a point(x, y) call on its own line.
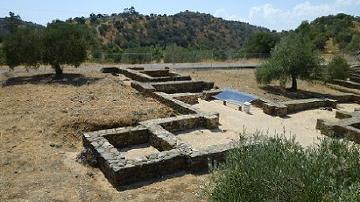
point(65, 79)
point(299, 94)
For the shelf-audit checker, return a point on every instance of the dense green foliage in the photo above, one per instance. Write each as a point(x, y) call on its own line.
point(354, 44)
point(59, 43)
point(23, 46)
point(65, 43)
point(130, 29)
point(11, 22)
point(278, 169)
point(340, 27)
point(292, 58)
point(131, 37)
point(261, 43)
point(338, 68)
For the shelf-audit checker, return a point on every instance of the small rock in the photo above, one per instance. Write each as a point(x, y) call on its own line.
point(55, 145)
point(90, 174)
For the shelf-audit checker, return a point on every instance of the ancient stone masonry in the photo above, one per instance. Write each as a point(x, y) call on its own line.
point(169, 154)
point(348, 126)
point(283, 108)
point(178, 92)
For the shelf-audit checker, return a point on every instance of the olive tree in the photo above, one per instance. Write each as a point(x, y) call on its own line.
point(292, 58)
point(58, 44)
point(23, 47)
point(65, 43)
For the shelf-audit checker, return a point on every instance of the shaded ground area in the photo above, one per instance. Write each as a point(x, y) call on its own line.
point(244, 80)
point(40, 123)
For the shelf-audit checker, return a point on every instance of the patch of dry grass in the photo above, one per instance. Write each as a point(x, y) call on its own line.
point(41, 120)
point(244, 80)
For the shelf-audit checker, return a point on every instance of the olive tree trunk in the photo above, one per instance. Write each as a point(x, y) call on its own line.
point(58, 70)
point(294, 83)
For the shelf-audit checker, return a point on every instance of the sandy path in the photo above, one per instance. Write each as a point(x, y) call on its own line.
point(233, 122)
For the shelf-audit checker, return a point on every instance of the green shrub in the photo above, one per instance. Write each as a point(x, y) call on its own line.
point(278, 169)
point(354, 44)
point(338, 68)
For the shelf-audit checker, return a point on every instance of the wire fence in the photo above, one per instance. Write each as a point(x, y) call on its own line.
point(175, 57)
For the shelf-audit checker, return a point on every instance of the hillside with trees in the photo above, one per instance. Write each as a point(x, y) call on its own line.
point(9, 23)
point(131, 37)
point(131, 29)
point(342, 30)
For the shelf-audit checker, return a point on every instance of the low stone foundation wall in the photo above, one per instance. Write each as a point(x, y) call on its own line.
point(306, 104)
point(348, 84)
point(141, 75)
point(171, 87)
point(174, 154)
point(283, 108)
point(346, 127)
point(192, 98)
point(275, 109)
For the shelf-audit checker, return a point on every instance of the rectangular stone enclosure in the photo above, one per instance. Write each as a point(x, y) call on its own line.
point(173, 156)
point(151, 149)
point(158, 151)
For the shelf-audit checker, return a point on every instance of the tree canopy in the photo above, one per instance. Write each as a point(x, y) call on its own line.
point(292, 58)
point(23, 46)
point(65, 43)
point(59, 43)
point(341, 28)
point(338, 68)
point(261, 42)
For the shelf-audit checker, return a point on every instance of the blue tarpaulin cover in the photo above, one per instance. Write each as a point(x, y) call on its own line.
point(235, 96)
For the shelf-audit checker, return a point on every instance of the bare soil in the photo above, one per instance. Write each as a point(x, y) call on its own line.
point(138, 151)
point(244, 80)
point(41, 119)
point(202, 138)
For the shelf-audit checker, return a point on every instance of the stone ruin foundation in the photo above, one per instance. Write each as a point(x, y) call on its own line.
point(163, 152)
point(347, 127)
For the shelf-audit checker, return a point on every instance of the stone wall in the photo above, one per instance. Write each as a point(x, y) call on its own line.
point(174, 155)
point(306, 104)
point(182, 86)
point(346, 127)
point(179, 92)
point(348, 84)
point(283, 108)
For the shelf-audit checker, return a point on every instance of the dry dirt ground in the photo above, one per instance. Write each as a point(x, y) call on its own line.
point(41, 120)
point(244, 80)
